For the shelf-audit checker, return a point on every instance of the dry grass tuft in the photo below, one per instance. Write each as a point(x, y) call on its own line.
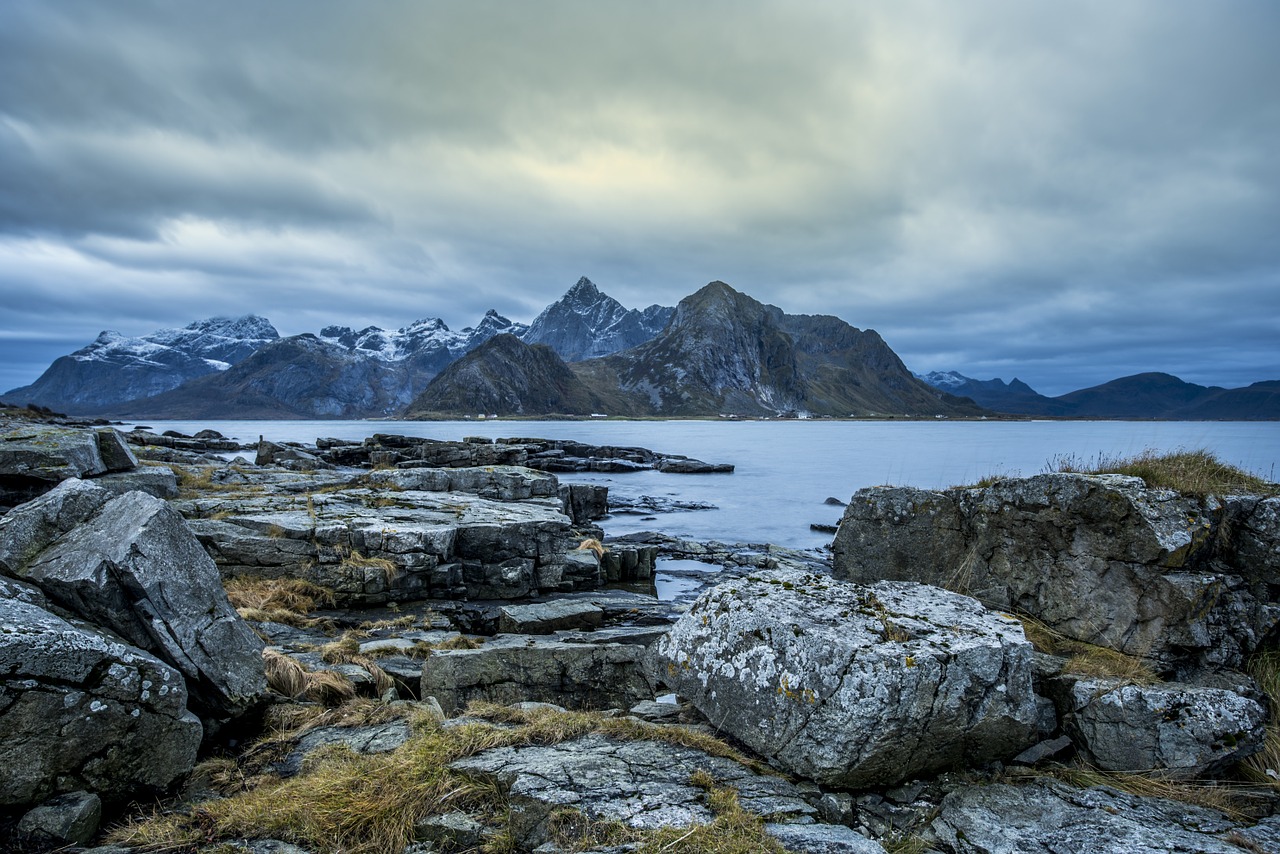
point(354, 560)
point(592, 545)
point(288, 677)
point(1086, 659)
point(1264, 766)
point(277, 600)
point(1225, 798)
point(344, 802)
point(1194, 472)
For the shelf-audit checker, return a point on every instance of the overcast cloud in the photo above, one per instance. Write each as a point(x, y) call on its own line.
point(1066, 193)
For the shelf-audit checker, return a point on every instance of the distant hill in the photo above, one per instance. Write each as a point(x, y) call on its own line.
point(1141, 396)
point(506, 376)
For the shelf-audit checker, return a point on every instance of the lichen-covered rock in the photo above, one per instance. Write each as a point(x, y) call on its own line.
point(643, 784)
point(134, 568)
point(81, 711)
point(1048, 817)
point(849, 685)
point(1182, 731)
point(511, 668)
point(1099, 558)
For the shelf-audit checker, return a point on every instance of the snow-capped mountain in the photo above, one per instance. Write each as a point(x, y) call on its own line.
point(586, 323)
point(116, 368)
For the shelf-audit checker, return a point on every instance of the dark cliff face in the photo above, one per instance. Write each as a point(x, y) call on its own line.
point(586, 323)
point(505, 376)
point(724, 352)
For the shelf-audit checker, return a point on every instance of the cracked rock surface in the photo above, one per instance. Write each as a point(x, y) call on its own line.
point(852, 685)
point(640, 783)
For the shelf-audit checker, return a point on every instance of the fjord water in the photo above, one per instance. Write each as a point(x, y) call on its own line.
point(786, 469)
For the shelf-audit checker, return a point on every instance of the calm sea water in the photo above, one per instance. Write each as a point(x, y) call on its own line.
point(785, 469)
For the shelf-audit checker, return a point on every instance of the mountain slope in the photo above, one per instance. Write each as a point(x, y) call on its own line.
point(724, 352)
point(115, 368)
point(586, 323)
point(506, 376)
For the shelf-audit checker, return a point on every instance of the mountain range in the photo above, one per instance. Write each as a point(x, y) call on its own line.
point(1140, 396)
point(718, 351)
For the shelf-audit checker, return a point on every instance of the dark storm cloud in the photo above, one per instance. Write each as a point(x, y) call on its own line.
point(1063, 193)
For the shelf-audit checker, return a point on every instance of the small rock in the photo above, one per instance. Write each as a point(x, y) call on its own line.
point(70, 819)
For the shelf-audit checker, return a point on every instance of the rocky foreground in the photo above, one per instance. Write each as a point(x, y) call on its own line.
point(433, 648)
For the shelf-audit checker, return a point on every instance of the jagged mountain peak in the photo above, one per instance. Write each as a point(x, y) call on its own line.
point(587, 323)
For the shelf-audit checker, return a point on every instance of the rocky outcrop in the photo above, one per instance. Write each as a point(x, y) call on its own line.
point(1099, 558)
point(79, 710)
point(849, 685)
point(130, 565)
point(34, 458)
point(513, 668)
point(372, 544)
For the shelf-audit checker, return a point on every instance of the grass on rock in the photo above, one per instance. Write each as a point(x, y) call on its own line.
point(1264, 766)
point(345, 802)
point(1194, 472)
point(1086, 659)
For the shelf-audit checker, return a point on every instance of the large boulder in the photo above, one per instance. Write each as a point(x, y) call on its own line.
point(136, 569)
point(1099, 558)
point(79, 710)
point(36, 457)
point(512, 668)
point(850, 685)
point(1176, 730)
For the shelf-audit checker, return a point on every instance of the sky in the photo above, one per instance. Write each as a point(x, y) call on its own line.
point(1060, 192)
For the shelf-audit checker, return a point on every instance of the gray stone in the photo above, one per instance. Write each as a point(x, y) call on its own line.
point(1181, 731)
point(837, 808)
point(376, 738)
point(30, 528)
point(1043, 750)
point(40, 456)
point(509, 668)
point(650, 710)
point(114, 451)
point(159, 481)
point(584, 502)
point(453, 831)
point(822, 839)
point(70, 819)
point(542, 618)
point(643, 784)
point(1099, 558)
point(853, 686)
point(1045, 817)
point(135, 569)
point(79, 710)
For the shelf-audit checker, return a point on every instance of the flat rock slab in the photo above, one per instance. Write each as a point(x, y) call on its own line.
point(853, 686)
point(511, 668)
point(546, 617)
point(1048, 817)
point(643, 784)
point(822, 839)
